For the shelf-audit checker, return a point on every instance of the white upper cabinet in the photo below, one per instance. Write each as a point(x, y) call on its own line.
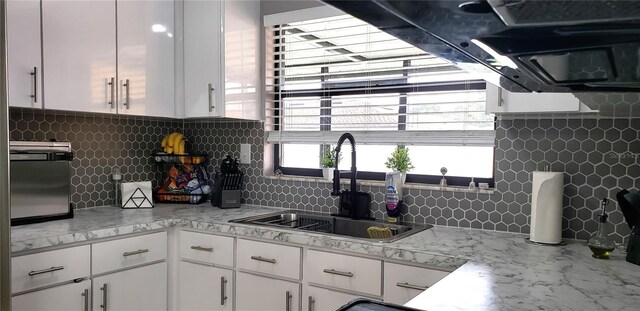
point(24, 62)
point(502, 101)
point(222, 59)
point(242, 86)
point(79, 46)
point(202, 58)
point(146, 58)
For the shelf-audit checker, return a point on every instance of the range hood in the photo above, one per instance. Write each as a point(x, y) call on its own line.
point(521, 45)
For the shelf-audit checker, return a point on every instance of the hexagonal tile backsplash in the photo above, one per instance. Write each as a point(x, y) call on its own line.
point(100, 143)
point(598, 155)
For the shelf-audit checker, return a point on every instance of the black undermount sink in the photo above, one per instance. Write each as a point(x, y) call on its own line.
point(335, 225)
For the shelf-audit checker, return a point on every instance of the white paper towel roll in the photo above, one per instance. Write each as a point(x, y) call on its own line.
point(546, 207)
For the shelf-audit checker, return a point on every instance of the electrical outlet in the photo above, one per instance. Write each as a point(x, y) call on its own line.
point(245, 153)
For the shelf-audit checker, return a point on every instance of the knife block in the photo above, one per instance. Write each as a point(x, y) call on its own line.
point(227, 192)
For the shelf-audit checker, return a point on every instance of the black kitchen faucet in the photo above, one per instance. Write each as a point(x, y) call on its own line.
point(349, 204)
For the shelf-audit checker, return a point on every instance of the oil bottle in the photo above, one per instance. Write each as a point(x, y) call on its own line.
point(599, 243)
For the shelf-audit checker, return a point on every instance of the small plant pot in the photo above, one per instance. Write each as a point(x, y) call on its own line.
point(327, 173)
point(403, 178)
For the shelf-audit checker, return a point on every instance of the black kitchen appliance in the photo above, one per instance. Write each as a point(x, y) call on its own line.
point(521, 45)
point(629, 203)
point(227, 185)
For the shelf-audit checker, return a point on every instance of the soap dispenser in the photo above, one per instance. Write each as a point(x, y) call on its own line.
point(600, 243)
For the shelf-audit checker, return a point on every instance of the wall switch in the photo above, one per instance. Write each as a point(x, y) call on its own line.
point(245, 153)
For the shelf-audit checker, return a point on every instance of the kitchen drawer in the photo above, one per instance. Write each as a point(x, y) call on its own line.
point(269, 258)
point(344, 271)
point(402, 283)
point(47, 268)
point(128, 252)
point(206, 248)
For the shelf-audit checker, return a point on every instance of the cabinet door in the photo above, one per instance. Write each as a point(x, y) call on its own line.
point(204, 288)
point(266, 294)
point(143, 288)
point(320, 299)
point(79, 44)
point(23, 53)
point(146, 58)
point(242, 30)
point(203, 64)
point(499, 100)
point(74, 296)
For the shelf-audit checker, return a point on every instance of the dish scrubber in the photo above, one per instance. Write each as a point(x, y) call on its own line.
point(376, 232)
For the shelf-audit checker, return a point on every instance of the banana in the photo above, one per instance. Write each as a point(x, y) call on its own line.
point(169, 150)
point(181, 147)
point(172, 136)
point(164, 141)
point(176, 140)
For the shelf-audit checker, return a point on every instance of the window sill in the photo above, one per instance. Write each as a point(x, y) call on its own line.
point(377, 183)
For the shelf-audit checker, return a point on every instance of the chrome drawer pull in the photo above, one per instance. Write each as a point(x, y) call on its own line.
point(260, 258)
point(204, 249)
point(331, 271)
point(52, 269)
point(311, 302)
point(85, 295)
point(288, 301)
point(35, 84)
point(210, 90)
point(140, 251)
point(112, 84)
point(105, 296)
point(127, 86)
point(411, 286)
point(223, 290)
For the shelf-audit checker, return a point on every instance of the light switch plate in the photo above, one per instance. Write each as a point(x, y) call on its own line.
point(245, 153)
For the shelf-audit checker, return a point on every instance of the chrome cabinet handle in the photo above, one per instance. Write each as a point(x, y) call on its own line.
point(260, 258)
point(85, 294)
point(336, 272)
point(210, 90)
point(112, 83)
point(52, 269)
point(127, 102)
point(140, 251)
point(104, 297)
point(223, 290)
point(311, 302)
point(204, 249)
point(288, 301)
point(411, 286)
point(34, 73)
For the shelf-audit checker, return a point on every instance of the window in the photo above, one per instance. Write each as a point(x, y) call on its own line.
point(327, 76)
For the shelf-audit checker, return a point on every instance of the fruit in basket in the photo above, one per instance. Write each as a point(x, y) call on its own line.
point(174, 143)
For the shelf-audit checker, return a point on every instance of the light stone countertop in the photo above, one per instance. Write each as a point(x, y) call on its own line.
point(493, 270)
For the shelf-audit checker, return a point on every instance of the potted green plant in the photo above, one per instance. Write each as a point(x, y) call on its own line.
point(399, 161)
point(328, 163)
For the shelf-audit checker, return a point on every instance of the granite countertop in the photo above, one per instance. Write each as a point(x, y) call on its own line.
point(493, 270)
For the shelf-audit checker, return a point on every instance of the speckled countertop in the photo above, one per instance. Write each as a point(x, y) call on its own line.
point(493, 270)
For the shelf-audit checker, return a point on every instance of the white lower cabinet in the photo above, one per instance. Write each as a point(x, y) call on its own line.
point(257, 293)
point(321, 299)
point(204, 288)
point(143, 288)
point(73, 296)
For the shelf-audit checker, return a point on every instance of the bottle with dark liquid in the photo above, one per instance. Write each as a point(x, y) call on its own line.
point(600, 243)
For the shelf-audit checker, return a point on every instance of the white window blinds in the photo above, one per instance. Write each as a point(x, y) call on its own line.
point(339, 74)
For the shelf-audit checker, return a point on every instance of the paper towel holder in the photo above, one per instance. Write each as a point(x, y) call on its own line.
point(528, 241)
